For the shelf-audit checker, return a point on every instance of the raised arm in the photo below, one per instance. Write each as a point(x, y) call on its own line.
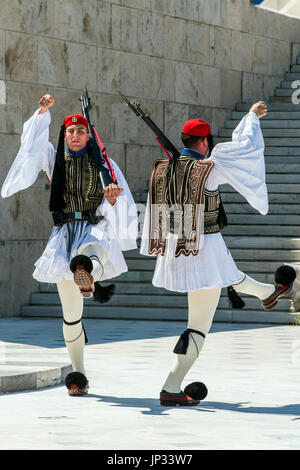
point(36, 153)
point(240, 162)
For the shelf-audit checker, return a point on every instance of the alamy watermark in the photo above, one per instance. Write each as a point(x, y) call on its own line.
point(296, 93)
point(3, 357)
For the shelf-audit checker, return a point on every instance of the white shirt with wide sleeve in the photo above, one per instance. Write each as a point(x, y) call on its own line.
point(239, 163)
point(117, 232)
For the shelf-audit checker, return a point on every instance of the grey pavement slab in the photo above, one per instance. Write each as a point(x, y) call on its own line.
point(251, 371)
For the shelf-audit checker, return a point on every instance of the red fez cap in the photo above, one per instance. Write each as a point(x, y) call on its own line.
point(197, 128)
point(75, 119)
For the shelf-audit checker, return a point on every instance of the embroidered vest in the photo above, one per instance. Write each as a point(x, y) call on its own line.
point(176, 203)
point(83, 189)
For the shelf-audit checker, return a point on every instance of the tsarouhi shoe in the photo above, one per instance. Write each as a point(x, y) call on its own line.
point(281, 290)
point(82, 266)
point(176, 399)
point(284, 277)
point(77, 384)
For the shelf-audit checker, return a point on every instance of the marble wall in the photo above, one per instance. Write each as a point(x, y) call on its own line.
point(179, 58)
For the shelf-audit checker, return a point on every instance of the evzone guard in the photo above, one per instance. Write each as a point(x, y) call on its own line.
point(93, 224)
point(183, 219)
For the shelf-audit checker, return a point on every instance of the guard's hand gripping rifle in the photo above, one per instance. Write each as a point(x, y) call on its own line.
point(169, 149)
point(99, 152)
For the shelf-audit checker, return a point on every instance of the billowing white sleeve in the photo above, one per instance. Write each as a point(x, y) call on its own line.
point(144, 249)
point(36, 153)
point(122, 216)
point(241, 163)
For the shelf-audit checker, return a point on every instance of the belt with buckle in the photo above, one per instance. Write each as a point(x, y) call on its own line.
point(60, 218)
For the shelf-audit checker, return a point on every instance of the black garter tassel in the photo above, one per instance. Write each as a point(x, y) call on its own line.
point(234, 299)
point(183, 342)
point(103, 294)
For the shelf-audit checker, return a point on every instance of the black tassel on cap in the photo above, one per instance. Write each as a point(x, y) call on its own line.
point(234, 299)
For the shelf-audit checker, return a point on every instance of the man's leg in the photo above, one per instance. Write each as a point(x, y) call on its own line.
point(73, 331)
point(88, 269)
point(202, 307)
point(267, 293)
point(250, 286)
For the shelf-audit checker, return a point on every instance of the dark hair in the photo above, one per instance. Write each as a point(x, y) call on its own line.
point(191, 141)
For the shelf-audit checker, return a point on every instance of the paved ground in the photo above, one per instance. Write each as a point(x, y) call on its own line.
point(251, 371)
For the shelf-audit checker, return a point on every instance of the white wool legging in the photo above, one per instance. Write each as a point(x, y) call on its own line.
point(72, 307)
point(202, 306)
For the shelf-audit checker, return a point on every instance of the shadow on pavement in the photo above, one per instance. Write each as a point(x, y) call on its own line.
point(153, 406)
point(47, 332)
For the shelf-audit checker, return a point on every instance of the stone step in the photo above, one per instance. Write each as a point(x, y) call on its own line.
point(274, 198)
point(146, 313)
point(289, 256)
point(272, 188)
point(271, 150)
point(286, 92)
point(263, 243)
point(155, 300)
point(287, 209)
point(272, 147)
point(281, 124)
point(281, 99)
point(289, 83)
point(284, 135)
point(271, 106)
point(291, 231)
point(281, 159)
point(286, 144)
point(283, 178)
point(276, 115)
point(295, 68)
point(283, 167)
point(292, 76)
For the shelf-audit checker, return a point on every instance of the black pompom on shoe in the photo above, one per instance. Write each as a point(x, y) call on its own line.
point(103, 294)
point(196, 390)
point(83, 261)
point(77, 384)
point(285, 274)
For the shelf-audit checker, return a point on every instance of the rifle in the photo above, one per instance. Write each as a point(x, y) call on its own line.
point(167, 146)
point(99, 152)
point(169, 149)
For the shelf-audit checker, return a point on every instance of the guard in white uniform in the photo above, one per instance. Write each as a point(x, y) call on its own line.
point(93, 225)
point(198, 261)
